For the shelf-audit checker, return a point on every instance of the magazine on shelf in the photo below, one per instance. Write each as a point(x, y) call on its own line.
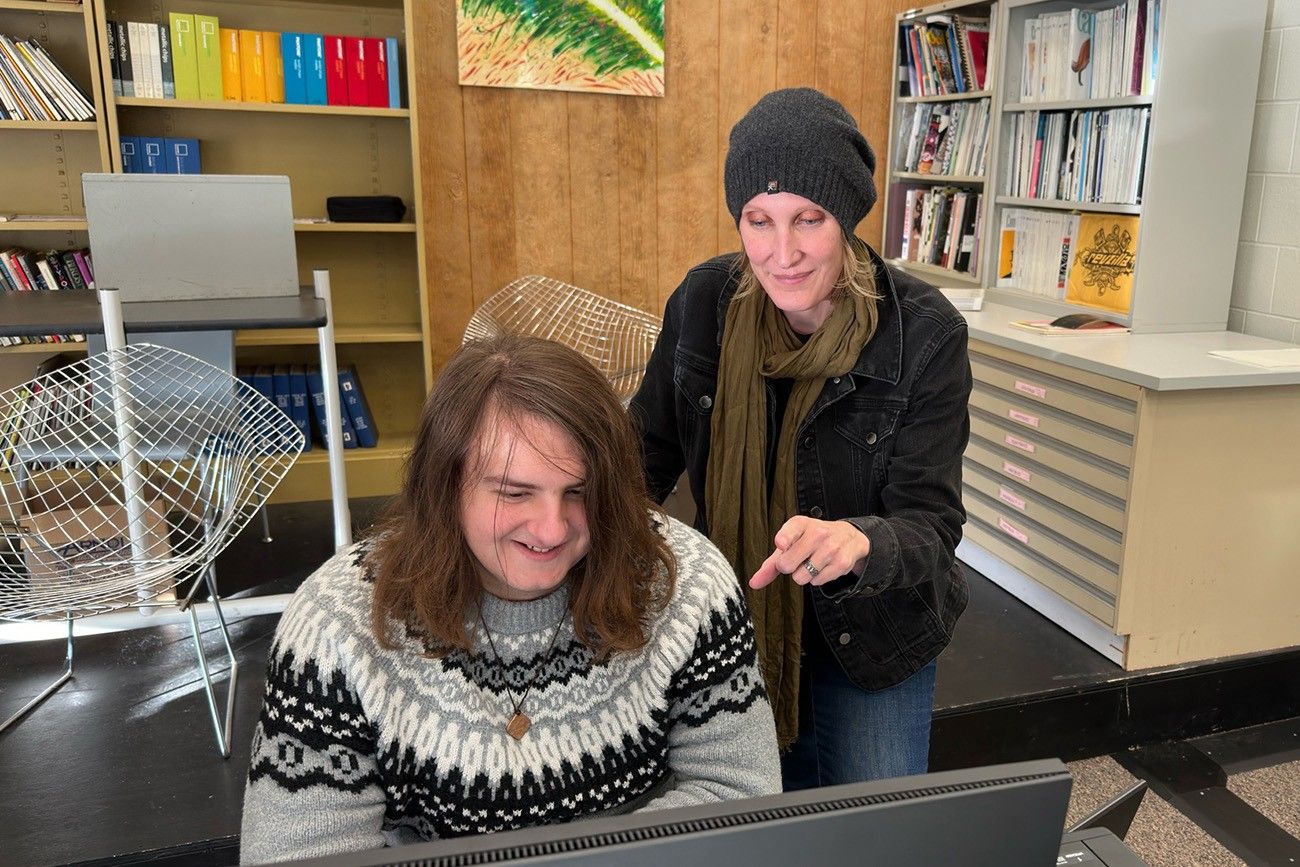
point(1072, 323)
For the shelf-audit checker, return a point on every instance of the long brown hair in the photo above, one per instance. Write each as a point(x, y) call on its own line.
point(425, 575)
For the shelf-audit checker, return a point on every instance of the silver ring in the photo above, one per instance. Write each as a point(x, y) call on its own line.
point(812, 570)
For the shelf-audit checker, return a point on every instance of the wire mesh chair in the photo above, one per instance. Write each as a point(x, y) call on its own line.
point(122, 476)
point(615, 337)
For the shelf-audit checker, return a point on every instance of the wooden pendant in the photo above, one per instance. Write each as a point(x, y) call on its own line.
point(518, 725)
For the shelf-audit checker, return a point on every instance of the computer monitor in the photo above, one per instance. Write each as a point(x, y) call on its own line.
point(999, 816)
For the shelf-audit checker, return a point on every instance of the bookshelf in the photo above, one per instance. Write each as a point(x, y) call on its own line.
point(1192, 171)
point(376, 269)
point(41, 161)
point(910, 221)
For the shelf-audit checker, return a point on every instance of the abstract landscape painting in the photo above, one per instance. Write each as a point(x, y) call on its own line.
point(594, 46)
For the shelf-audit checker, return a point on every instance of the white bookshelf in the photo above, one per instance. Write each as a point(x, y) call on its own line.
point(1194, 171)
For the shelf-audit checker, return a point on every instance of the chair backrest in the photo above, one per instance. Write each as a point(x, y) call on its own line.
point(617, 338)
point(134, 468)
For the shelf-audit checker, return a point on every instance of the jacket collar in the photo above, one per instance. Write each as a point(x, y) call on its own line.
point(882, 357)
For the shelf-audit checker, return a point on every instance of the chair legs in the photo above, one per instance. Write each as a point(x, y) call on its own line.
point(49, 690)
point(222, 732)
point(266, 523)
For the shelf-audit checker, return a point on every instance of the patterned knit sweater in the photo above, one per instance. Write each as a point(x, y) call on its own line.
point(358, 746)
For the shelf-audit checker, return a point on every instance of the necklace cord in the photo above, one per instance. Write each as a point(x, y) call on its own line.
point(505, 682)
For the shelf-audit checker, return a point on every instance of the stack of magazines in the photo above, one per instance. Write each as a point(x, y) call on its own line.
point(33, 87)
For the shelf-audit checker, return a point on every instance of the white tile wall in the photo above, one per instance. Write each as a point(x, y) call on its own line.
point(1266, 288)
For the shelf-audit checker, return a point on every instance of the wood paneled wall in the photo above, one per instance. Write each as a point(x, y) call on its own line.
point(621, 195)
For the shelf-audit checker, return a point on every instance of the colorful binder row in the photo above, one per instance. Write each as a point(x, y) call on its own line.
point(194, 58)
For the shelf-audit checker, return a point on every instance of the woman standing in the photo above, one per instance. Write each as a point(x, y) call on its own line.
point(817, 401)
point(523, 642)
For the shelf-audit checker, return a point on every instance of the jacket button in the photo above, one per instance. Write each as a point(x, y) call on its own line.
point(809, 441)
point(815, 511)
point(835, 380)
point(844, 638)
point(871, 438)
point(705, 402)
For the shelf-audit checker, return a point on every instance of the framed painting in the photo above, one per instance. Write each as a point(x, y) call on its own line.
point(592, 46)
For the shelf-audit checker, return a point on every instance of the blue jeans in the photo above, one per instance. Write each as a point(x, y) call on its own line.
point(849, 735)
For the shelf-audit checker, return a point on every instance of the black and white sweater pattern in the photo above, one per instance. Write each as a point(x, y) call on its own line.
point(358, 746)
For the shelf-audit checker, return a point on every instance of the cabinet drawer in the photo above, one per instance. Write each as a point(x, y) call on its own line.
point(1110, 410)
point(1051, 546)
point(1069, 587)
point(1079, 432)
point(1069, 493)
point(1016, 442)
point(1100, 540)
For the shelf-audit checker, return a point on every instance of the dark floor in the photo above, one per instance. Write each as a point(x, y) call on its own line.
point(122, 759)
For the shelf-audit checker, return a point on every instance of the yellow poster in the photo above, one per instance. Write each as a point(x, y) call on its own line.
point(1105, 254)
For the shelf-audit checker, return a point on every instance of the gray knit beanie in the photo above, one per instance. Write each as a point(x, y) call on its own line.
point(801, 141)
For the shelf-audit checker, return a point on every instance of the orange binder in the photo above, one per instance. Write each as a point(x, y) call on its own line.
point(231, 80)
point(251, 65)
point(273, 65)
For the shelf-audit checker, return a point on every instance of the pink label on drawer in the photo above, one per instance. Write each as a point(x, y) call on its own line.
point(1010, 499)
point(1022, 417)
point(1029, 388)
point(1013, 531)
point(1018, 443)
point(1019, 472)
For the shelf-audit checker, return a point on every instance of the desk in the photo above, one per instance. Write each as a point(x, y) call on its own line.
point(118, 765)
point(1136, 490)
point(31, 314)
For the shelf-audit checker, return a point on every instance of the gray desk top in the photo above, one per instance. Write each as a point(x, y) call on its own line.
point(1162, 362)
point(30, 314)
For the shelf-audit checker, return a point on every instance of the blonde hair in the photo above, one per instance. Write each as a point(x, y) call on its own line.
point(857, 276)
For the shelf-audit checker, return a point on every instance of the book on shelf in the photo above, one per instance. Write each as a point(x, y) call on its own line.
point(24, 270)
point(1101, 273)
point(943, 138)
point(34, 87)
point(944, 54)
point(1072, 323)
point(358, 410)
point(936, 226)
point(273, 66)
point(1036, 251)
point(208, 54)
point(252, 66)
point(316, 388)
point(1095, 156)
point(232, 89)
point(1091, 53)
point(185, 55)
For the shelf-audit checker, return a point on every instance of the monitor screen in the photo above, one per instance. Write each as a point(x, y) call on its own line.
point(998, 816)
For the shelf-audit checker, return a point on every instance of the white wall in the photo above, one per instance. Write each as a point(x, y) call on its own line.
point(1266, 289)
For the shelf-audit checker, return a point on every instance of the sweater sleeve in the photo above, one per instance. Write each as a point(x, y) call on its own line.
point(313, 783)
point(721, 736)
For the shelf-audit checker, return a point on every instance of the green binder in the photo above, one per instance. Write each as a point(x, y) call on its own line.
point(185, 56)
point(207, 51)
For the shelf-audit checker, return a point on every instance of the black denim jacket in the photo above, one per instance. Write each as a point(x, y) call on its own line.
point(880, 448)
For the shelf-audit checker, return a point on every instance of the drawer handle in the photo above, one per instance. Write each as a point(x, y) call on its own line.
point(1030, 389)
point(1018, 443)
point(1022, 417)
point(1018, 472)
point(1010, 499)
point(1013, 531)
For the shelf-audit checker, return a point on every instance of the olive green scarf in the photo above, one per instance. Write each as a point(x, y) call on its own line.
point(758, 342)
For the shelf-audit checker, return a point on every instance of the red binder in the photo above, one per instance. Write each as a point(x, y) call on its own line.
point(336, 82)
point(376, 72)
point(354, 61)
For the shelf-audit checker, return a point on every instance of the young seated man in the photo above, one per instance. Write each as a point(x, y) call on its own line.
point(524, 639)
